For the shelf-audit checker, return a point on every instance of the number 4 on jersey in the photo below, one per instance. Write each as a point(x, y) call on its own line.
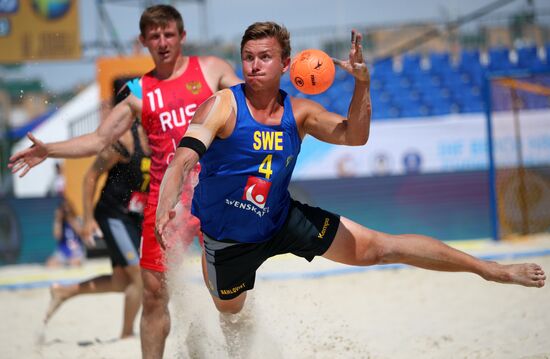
point(265, 167)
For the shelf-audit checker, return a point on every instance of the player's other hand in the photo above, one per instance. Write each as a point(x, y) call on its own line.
point(91, 231)
point(161, 226)
point(28, 158)
point(355, 64)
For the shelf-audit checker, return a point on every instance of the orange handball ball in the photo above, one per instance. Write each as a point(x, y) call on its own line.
point(312, 71)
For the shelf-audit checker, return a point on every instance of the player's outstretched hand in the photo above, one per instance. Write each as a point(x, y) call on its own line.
point(161, 226)
point(355, 65)
point(28, 158)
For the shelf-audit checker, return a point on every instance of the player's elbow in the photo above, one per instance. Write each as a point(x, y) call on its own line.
point(363, 141)
point(358, 139)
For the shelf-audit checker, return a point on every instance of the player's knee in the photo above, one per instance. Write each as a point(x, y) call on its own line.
point(154, 296)
point(153, 301)
point(388, 250)
point(379, 251)
point(232, 306)
point(119, 285)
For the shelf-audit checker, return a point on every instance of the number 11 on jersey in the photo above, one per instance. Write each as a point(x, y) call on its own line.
point(151, 96)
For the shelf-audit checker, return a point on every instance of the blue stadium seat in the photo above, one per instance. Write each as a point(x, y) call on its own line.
point(439, 62)
point(470, 78)
point(383, 66)
point(388, 78)
point(406, 96)
point(453, 78)
point(395, 87)
point(377, 81)
point(428, 92)
point(381, 97)
point(433, 97)
point(384, 112)
point(471, 107)
point(411, 63)
point(476, 75)
point(341, 74)
point(376, 84)
point(324, 100)
point(441, 108)
point(405, 82)
point(419, 110)
point(423, 77)
point(379, 100)
point(460, 91)
point(340, 89)
point(469, 59)
point(468, 101)
point(340, 105)
point(471, 66)
point(499, 59)
point(349, 83)
point(466, 92)
point(527, 57)
point(407, 104)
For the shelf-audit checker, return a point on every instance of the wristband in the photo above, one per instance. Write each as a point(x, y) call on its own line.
point(194, 144)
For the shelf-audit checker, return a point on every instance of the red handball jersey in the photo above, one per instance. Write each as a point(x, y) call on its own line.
point(168, 106)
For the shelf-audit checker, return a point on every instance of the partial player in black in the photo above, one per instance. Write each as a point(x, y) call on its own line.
point(117, 218)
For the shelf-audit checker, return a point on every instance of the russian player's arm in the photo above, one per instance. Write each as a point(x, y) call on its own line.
point(117, 122)
point(209, 121)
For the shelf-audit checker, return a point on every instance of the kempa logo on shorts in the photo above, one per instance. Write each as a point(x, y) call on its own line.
point(232, 290)
point(324, 230)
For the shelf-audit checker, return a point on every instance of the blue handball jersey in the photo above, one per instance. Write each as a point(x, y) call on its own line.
point(242, 193)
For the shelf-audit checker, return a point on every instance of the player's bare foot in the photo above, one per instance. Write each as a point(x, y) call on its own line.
point(127, 335)
point(58, 296)
point(526, 274)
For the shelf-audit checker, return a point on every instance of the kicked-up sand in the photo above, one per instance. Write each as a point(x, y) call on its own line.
point(299, 310)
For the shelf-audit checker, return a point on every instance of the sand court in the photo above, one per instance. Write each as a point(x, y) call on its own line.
point(301, 310)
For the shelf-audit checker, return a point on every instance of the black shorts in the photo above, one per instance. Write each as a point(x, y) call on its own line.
point(122, 235)
point(231, 265)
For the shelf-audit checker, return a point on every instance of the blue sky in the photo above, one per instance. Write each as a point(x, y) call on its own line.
point(227, 19)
